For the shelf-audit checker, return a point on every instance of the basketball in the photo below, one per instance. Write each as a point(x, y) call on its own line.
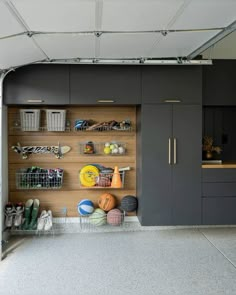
point(98, 217)
point(114, 217)
point(129, 203)
point(106, 202)
point(85, 207)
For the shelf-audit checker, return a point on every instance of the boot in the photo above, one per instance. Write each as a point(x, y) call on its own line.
point(34, 215)
point(28, 210)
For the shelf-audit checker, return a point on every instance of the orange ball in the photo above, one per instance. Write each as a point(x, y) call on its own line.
point(106, 202)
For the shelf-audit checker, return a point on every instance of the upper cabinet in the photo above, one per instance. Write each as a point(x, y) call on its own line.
point(219, 87)
point(37, 85)
point(162, 84)
point(105, 84)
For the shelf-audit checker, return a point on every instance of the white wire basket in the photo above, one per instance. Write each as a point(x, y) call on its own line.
point(56, 120)
point(101, 221)
point(30, 119)
point(49, 179)
point(90, 180)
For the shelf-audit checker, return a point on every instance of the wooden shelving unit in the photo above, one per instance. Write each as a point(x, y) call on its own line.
point(71, 193)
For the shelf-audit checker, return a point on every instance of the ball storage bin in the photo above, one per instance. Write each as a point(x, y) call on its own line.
point(56, 120)
point(30, 119)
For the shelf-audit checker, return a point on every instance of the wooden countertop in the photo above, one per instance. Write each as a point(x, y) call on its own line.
point(223, 165)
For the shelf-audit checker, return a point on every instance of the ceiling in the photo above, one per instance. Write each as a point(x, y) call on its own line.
point(98, 30)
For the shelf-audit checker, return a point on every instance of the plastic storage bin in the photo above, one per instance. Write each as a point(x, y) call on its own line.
point(56, 120)
point(30, 119)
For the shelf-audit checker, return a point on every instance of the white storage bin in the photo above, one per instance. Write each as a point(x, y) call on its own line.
point(30, 119)
point(56, 120)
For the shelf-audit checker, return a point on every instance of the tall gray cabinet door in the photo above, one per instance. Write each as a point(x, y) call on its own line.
point(187, 171)
point(156, 170)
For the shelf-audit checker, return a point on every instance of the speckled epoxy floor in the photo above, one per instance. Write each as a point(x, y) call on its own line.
point(159, 262)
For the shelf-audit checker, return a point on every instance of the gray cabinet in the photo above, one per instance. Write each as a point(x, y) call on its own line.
point(171, 165)
point(219, 196)
point(99, 84)
point(178, 83)
point(37, 84)
point(219, 85)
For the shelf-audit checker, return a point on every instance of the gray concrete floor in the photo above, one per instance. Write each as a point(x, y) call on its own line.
point(160, 262)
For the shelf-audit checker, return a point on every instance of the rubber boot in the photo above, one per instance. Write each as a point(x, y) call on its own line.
point(34, 215)
point(28, 209)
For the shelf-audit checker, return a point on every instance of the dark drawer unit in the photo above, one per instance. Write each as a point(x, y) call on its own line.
point(99, 84)
point(219, 211)
point(219, 175)
point(37, 85)
point(162, 84)
point(219, 196)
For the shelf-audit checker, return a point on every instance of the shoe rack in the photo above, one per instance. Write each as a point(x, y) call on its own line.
point(70, 193)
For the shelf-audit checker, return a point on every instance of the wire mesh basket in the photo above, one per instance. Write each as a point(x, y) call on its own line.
point(89, 148)
point(39, 179)
point(30, 119)
point(100, 220)
point(91, 180)
point(56, 120)
point(113, 148)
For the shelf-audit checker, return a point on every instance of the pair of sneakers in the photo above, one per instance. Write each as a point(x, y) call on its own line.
point(45, 220)
point(13, 214)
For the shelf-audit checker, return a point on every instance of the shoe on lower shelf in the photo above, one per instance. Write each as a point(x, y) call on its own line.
point(19, 208)
point(42, 220)
point(48, 222)
point(9, 214)
point(34, 215)
point(27, 215)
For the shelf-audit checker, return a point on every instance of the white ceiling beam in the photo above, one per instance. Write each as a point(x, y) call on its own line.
point(20, 20)
point(139, 61)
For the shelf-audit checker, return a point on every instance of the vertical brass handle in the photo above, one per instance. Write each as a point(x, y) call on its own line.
point(169, 154)
point(175, 151)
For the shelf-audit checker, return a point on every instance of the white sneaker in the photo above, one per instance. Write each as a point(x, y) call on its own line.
point(42, 220)
point(48, 221)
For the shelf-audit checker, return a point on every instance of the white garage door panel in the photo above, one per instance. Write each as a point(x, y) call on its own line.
point(181, 44)
point(126, 45)
point(57, 15)
point(8, 24)
point(67, 46)
point(18, 51)
point(138, 14)
point(224, 49)
point(200, 14)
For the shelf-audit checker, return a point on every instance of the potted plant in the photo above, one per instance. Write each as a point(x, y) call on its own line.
point(208, 149)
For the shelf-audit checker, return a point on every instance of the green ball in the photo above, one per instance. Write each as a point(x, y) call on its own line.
point(98, 217)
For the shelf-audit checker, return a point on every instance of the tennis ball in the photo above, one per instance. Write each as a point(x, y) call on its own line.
point(112, 146)
point(107, 144)
point(115, 151)
point(121, 150)
point(107, 150)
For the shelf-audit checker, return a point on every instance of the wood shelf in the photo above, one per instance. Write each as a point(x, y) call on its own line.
point(71, 193)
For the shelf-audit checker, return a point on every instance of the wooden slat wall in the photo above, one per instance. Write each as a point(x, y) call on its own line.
point(71, 193)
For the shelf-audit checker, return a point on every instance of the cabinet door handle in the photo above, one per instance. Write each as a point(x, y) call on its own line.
point(35, 100)
point(105, 101)
point(169, 152)
point(175, 151)
point(172, 100)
